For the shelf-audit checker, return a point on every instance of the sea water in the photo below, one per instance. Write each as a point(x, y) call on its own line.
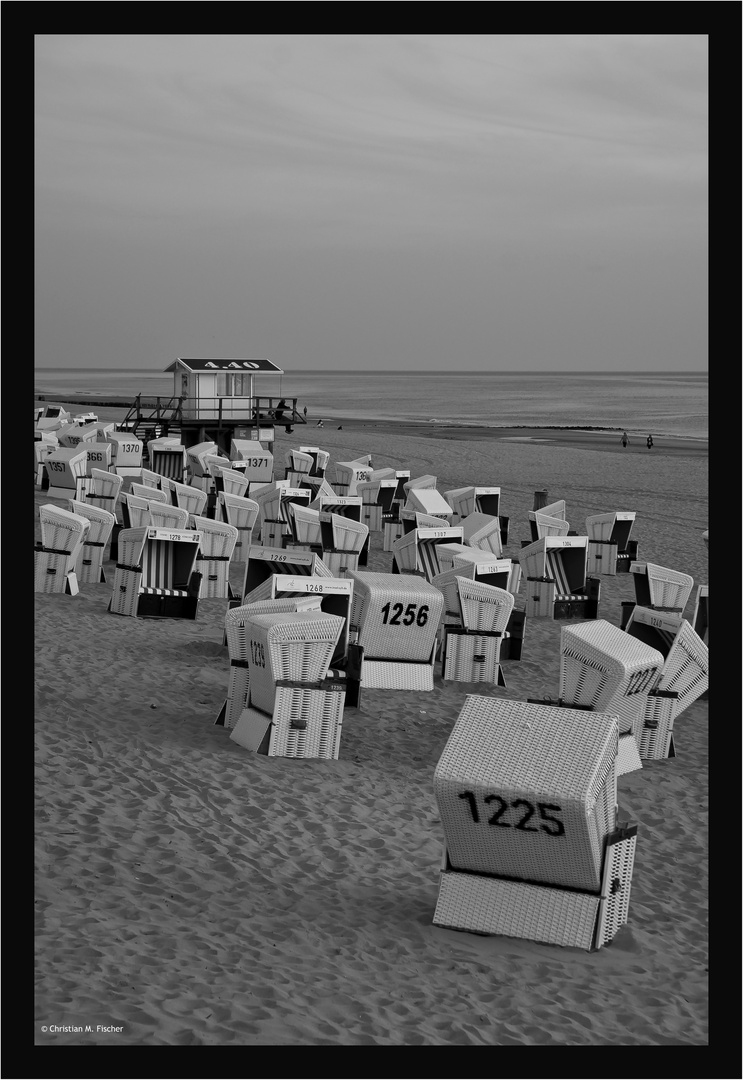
point(657, 403)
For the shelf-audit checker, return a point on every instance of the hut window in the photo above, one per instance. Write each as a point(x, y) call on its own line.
point(229, 385)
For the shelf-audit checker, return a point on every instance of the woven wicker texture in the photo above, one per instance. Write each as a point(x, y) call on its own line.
point(548, 526)
point(234, 482)
point(667, 588)
point(135, 511)
point(397, 615)
point(101, 521)
point(107, 485)
point(164, 516)
point(54, 573)
point(339, 563)
point(483, 531)
point(396, 675)
point(307, 723)
point(602, 557)
point(348, 474)
point(686, 658)
point(62, 530)
point(600, 664)
point(345, 533)
point(461, 500)
point(89, 564)
point(188, 497)
point(218, 538)
point(628, 755)
point(471, 658)
point(616, 888)
point(535, 558)
point(700, 618)
point(616, 526)
point(306, 524)
point(416, 550)
point(560, 762)
point(515, 909)
point(654, 740)
point(392, 531)
point(419, 483)
point(296, 646)
point(298, 462)
point(484, 607)
point(149, 492)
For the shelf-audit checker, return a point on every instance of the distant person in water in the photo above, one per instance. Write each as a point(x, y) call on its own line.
point(625, 439)
point(650, 442)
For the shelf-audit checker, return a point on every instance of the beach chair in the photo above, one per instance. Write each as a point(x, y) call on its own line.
point(471, 651)
point(187, 497)
point(527, 796)
point(256, 462)
point(377, 496)
point(199, 475)
point(348, 474)
point(497, 574)
point(218, 540)
point(165, 516)
point(66, 468)
point(320, 459)
point(89, 565)
point(242, 513)
point(97, 456)
point(42, 450)
point(237, 621)
point(610, 550)
point(167, 457)
point(483, 501)
point(126, 452)
point(296, 466)
point(557, 585)
point(343, 540)
point(659, 588)
point(395, 618)
point(74, 434)
point(347, 506)
point(295, 704)
point(683, 678)
point(276, 513)
point(318, 487)
point(231, 482)
point(306, 531)
point(105, 491)
point(415, 552)
point(605, 669)
point(147, 491)
point(430, 501)
point(483, 531)
point(700, 618)
point(56, 556)
point(263, 562)
point(135, 512)
point(156, 575)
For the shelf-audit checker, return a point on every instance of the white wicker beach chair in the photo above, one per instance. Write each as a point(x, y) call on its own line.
point(167, 458)
point(533, 847)
point(149, 492)
point(276, 511)
point(700, 618)
point(684, 676)
point(296, 466)
point(557, 585)
point(471, 651)
point(217, 544)
point(165, 516)
point(660, 588)
point(343, 540)
point(305, 524)
point(255, 459)
point(318, 487)
point(237, 621)
point(55, 558)
point(105, 491)
point(188, 497)
point(156, 574)
point(377, 495)
point(89, 565)
point(135, 510)
point(483, 531)
point(430, 501)
point(320, 459)
point(232, 482)
point(610, 550)
point(198, 470)
point(263, 562)
point(348, 474)
point(242, 513)
point(415, 551)
point(295, 705)
point(395, 618)
point(66, 468)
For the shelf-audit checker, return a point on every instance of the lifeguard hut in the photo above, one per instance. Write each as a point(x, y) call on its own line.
point(215, 400)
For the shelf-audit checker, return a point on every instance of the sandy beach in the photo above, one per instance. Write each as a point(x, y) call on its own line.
point(189, 892)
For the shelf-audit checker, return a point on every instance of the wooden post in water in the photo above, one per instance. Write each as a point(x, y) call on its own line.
point(540, 500)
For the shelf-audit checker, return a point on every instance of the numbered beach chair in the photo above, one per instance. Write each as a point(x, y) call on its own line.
point(343, 540)
point(217, 544)
point(610, 550)
point(395, 618)
point(56, 556)
point(471, 651)
point(256, 462)
point(605, 669)
point(167, 458)
point(242, 513)
point(295, 704)
point(126, 452)
point(660, 588)
point(156, 575)
point(527, 796)
point(557, 585)
point(89, 565)
point(236, 622)
point(66, 468)
point(377, 496)
point(346, 506)
point(263, 563)
point(42, 449)
point(348, 474)
point(683, 678)
point(415, 552)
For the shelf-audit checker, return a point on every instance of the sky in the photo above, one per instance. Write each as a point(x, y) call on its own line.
point(404, 202)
